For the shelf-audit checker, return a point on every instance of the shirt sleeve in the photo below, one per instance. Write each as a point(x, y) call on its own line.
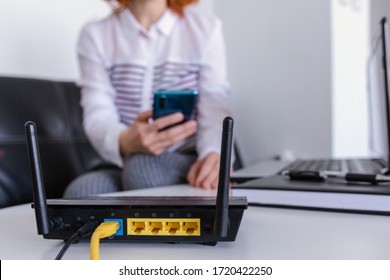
point(101, 120)
point(214, 98)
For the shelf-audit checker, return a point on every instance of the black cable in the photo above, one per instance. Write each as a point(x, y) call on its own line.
point(85, 230)
point(75, 237)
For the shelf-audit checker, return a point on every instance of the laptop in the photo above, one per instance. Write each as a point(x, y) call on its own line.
point(380, 124)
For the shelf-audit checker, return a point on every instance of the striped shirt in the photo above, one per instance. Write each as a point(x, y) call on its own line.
point(122, 64)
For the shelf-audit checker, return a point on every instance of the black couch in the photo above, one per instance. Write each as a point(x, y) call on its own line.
point(65, 150)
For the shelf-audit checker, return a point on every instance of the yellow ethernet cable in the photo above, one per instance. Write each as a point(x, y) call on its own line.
point(105, 229)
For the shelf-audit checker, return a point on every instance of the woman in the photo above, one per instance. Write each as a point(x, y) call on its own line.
point(143, 46)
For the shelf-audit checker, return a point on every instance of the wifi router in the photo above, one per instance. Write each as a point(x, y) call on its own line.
point(205, 220)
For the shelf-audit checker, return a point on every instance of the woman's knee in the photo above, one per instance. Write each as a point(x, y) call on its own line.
point(93, 183)
point(146, 171)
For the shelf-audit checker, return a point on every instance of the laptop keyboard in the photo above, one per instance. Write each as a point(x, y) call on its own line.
point(372, 166)
point(315, 165)
point(368, 166)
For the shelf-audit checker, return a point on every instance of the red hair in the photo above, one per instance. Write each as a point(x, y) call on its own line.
point(175, 5)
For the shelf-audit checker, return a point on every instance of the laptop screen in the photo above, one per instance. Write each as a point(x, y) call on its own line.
point(379, 96)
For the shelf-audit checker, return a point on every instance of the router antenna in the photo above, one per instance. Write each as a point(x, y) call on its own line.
point(40, 206)
point(221, 220)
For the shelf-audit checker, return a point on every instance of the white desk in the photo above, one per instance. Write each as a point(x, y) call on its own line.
point(265, 233)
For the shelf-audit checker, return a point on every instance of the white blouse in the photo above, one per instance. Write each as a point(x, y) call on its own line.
point(122, 65)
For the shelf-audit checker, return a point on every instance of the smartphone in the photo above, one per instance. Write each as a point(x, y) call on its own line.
point(167, 102)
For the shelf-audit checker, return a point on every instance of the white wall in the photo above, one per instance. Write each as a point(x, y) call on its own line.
point(378, 9)
point(350, 51)
point(279, 58)
point(38, 38)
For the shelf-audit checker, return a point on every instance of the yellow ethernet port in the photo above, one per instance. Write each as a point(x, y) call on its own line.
point(155, 227)
point(169, 226)
point(190, 227)
point(136, 227)
point(172, 227)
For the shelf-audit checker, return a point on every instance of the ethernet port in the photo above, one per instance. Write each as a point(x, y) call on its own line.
point(137, 227)
point(190, 227)
point(155, 227)
point(172, 227)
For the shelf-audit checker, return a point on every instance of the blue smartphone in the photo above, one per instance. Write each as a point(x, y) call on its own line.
point(167, 102)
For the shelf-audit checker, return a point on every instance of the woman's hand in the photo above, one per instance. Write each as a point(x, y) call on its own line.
point(204, 173)
point(145, 137)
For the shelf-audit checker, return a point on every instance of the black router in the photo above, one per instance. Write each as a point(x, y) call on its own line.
point(205, 220)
